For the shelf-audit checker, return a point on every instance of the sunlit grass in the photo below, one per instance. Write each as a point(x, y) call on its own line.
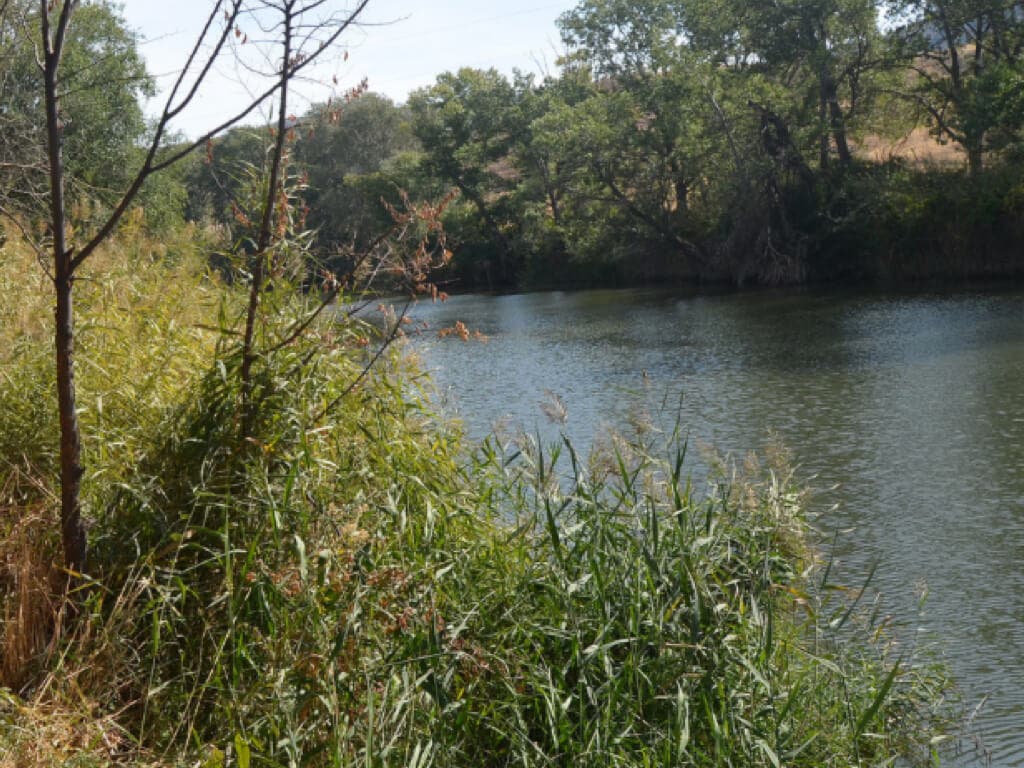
point(347, 586)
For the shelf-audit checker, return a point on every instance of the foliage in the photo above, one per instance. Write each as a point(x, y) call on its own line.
point(346, 585)
point(104, 78)
point(712, 141)
point(715, 140)
point(352, 154)
point(467, 128)
point(899, 224)
point(965, 57)
point(220, 178)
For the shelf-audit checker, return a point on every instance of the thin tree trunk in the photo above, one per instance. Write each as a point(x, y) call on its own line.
point(550, 189)
point(73, 536)
point(839, 131)
point(681, 188)
point(72, 528)
point(823, 134)
point(836, 121)
point(831, 113)
point(265, 237)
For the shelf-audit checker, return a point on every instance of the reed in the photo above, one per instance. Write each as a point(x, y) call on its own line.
point(353, 586)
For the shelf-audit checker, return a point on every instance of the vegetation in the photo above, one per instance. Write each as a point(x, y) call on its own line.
point(232, 532)
point(716, 141)
point(104, 80)
point(346, 586)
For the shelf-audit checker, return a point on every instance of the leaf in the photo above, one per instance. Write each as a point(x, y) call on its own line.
point(876, 704)
point(242, 751)
point(440, 572)
point(300, 548)
point(214, 758)
point(774, 758)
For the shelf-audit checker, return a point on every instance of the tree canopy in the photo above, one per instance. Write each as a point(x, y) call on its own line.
point(103, 81)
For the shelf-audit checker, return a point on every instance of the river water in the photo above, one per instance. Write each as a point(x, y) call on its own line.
point(906, 412)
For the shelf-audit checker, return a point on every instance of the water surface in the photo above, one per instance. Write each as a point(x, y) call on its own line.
point(907, 412)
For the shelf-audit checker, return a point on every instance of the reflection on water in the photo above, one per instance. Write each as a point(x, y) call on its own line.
point(907, 411)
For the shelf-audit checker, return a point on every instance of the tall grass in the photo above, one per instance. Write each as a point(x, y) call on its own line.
point(348, 587)
point(145, 306)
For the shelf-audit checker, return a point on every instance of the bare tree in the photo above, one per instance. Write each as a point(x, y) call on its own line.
point(288, 37)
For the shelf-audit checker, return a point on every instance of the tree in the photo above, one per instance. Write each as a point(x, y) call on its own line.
point(344, 149)
point(645, 121)
point(835, 44)
point(300, 31)
point(966, 56)
point(621, 41)
point(462, 122)
point(103, 78)
point(828, 53)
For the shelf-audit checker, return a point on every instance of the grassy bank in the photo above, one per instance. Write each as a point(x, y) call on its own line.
point(348, 586)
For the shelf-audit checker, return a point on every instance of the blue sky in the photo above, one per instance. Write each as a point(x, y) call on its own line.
point(402, 45)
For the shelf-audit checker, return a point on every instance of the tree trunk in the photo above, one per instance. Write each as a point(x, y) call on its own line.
point(550, 189)
point(266, 233)
point(836, 121)
point(680, 187)
point(838, 127)
point(73, 536)
point(975, 162)
point(823, 134)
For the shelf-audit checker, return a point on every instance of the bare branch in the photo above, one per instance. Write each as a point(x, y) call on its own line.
point(171, 112)
point(150, 166)
point(389, 339)
point(264, 237)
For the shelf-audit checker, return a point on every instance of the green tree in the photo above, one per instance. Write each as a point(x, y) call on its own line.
point(348, 152)
point(464, 125)
point(835, 45)
point(103, 79)
point(645, 125)
point(622, 41)
point(966, 56)
point(829, 54)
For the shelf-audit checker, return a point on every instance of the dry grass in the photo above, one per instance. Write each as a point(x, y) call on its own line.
point(918, 148)
point(146, 320)
point(30, 584)
point(25, 304)
point(38, 735)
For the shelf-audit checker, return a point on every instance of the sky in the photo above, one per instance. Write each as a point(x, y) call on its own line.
point(400, 46)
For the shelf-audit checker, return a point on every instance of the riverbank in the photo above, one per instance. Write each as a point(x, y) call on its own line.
point(877, 225)
point(350, 585)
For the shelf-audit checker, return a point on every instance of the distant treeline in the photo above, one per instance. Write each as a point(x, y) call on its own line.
point(720, 140)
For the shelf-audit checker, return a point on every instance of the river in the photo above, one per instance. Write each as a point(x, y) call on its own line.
point(904, 412)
